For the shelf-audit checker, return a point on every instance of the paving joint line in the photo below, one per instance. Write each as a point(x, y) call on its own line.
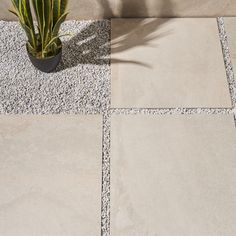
point(228, 63)
point(170, 111)
point(105, 211)
point(106, 142)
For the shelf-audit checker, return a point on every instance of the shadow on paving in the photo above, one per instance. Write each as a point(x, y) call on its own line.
point(92, 44)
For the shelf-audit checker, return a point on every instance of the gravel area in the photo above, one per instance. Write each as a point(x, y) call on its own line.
point(81, 84)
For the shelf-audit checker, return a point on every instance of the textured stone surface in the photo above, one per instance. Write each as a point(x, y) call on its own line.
point(167, 63)
point(173, 175)
point(50, 175)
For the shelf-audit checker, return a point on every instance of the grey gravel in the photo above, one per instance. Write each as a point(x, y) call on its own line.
point(81, 84)
point(228, 62)
point(170, 111)
point(106, 142)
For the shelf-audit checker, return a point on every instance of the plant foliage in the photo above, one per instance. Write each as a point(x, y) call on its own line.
point(43, 38)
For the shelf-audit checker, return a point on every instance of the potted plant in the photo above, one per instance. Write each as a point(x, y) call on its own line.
point(44, 46)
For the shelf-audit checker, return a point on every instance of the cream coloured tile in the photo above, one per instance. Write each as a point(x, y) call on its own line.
point(83, 9)
point(230, 27)
point(90, 9)
point(167, 63)
point(50, 175)
point(173, 175)
point(176, 8)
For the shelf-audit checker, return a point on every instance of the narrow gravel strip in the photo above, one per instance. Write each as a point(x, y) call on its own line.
point(105, 215)
point(170, 111)
point(228, 62)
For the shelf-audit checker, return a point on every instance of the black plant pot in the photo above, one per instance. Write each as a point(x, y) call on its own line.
point(46, 64)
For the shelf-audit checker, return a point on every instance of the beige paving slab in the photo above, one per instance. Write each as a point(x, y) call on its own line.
point(176, 8)
point(50, 175)
point(167, 63)
point(230, 27)
point(90, 9)
point(173, 175)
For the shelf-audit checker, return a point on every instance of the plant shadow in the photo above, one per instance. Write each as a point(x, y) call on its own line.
point(93, 44)
point(89, 46)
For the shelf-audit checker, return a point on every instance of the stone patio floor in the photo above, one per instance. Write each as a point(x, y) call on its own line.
point(133, 135)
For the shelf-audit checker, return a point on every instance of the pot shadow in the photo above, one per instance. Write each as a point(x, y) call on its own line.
point(93, 44)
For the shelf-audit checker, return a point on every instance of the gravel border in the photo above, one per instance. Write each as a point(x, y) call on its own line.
point(227, 59)
point(106, 142)
point(228, 63)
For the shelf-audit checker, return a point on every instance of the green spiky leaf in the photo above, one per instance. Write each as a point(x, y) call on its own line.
point(50, 14)
point(57, 26)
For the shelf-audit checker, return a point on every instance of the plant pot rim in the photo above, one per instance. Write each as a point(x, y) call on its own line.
point(47, 64)
point(46, 58)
